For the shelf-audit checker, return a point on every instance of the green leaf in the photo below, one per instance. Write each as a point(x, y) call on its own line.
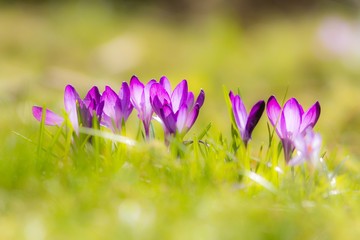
point(204, 132)
point(228, 105)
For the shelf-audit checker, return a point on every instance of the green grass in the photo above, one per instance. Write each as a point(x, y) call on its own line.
point(151, 191)
point(50, 189)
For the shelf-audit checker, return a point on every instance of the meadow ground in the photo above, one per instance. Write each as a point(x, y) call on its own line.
point(107, 190)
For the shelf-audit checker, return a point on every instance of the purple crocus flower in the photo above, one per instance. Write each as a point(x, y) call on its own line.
point(140, 98)
point(307, 146)
point(177, 109)
point(246, 123)
point(290, 121)
point(117, 107)
point(80, 112)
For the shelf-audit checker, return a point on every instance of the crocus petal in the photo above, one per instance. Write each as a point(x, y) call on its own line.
point(253, 118)
point(312, 142)
point(179, 95)
point(288, 147)
point(317, 140)
point(240, 114)
point(168, 118)
point(166, 84)
point(128, 111)
point(281, 127)
point(50, 119)
point(181, 118)
point(190, 100)
point(316, 146)
point(146, 104)
point(297, 160)
point(136, 89)
point(231, 96)
point(93, 94)
point(111, 106)
point(310, 118)
point(292, 117)
point(91, 106)
point(99, 110)
point(71, 100)
point(200, 99)
point(125, 103)
point(140, 99)
point(111, 102)
point(273, 111)
point(192, 116)
point(159, 91)
point(301, 110)
point(108, 122)
point(124, 95)
point(300, 144)
point(84, 115)
point(157, 105)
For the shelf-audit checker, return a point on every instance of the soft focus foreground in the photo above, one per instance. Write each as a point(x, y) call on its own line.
point(147, 191)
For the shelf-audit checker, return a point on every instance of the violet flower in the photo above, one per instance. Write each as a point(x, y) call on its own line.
point(307, 147)
point(290, 121)
point(80, 112)
point(177, 109)
point(140, 99)
point(246, 123)
point(117, 107)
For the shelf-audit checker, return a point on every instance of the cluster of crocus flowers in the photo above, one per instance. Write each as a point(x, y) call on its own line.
point(176, 109)
point(292, 124)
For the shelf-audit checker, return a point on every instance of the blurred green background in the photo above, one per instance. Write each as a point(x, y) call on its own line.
point(309, 50)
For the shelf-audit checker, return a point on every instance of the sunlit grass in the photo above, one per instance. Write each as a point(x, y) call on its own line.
point(149, 190)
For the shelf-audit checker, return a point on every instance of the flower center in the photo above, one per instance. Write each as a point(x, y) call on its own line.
point(309, 148)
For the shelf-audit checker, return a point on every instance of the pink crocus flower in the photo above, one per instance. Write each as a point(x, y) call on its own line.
point(80, 111)
point(177, 109)
point(246, 122)
point(290, 121)
point(117, 107)
point(140, 99)
point(307, 147)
